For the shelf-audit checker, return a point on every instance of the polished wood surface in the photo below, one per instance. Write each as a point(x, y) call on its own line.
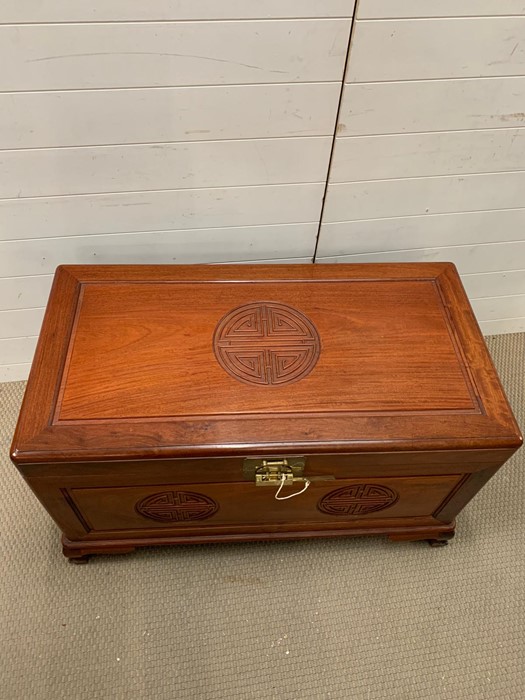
point(127, 508)
point(125, 365)
point(152, 384)
point(79, 551)
point(145, 351)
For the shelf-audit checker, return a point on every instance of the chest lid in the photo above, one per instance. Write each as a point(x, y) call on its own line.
point(177, 361)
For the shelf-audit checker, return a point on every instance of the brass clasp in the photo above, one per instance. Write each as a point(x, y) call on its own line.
point(274, 471)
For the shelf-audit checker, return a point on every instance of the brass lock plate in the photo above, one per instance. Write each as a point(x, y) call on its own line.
point(271, 471)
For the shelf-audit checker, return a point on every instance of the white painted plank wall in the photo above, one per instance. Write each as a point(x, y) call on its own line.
point(14, 11)
point(95, 169)
point(160, 115)
point(416, 196)
point(430, 154)
point(159, 210)
point(381, 9)
point(124, 55)
point(42, 256)
point(173, 130)
point(404, 107)
point(444, 47)
point(429, 159)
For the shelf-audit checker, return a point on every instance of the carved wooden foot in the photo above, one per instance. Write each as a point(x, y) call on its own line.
point(435, 536)
point(78, 560)
point(81, 552)
point(83, 558)
point(442, 539)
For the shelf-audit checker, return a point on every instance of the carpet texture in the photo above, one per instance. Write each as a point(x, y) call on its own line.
point(343, 619)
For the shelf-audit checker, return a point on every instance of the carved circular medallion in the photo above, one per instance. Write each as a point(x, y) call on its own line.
point(359, 499)
point(266, 343)
point(177, 506)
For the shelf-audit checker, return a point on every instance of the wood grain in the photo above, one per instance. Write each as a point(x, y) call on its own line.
point(126, 508)
point(160, 337)
point(422, 391)
point(79, 551)
point(230, 469)
point(132, 433)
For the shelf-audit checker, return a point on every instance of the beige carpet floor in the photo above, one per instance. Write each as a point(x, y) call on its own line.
point(359, 619)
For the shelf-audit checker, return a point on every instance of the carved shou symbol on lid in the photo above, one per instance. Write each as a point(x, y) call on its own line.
point(177, 506)
point(266, 343)
point(358, 499)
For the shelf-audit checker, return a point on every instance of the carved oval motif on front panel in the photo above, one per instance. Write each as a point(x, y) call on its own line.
point(266, 343)
point(358, 499)
point(177, 506)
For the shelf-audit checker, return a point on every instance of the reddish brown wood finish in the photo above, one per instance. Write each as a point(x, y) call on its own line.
point(153, 380)
point(117, 508)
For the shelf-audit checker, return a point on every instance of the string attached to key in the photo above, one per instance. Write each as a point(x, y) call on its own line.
point(297, 493)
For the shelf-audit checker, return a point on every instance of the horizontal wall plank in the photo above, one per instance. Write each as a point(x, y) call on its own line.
point(381, 9)
point(33, 291)
point(492, 309)
point(26, 322)
point(14, 373)
point(42, 256)
point(62, 171)
point(156, 211)
point(98, 117)
point(431, 195)
point(490, 257)
point(505, 325)
point(419, 155)
point(434, 105)
point(277, 261)
point(439, 48)
point(493, 284)
point(24, 292)
point(401, 233)
point(17, 350)
point(63, 56)
point(14, 11)
point(23, 322)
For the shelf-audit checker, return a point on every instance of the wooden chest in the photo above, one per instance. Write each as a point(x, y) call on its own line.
point(177, 404)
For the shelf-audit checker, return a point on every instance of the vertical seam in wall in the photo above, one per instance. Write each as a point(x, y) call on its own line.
point(347, 58)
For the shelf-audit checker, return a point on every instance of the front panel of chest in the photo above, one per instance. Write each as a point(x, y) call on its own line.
point(88, 508)
point(233, 497)
point(172, 506)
